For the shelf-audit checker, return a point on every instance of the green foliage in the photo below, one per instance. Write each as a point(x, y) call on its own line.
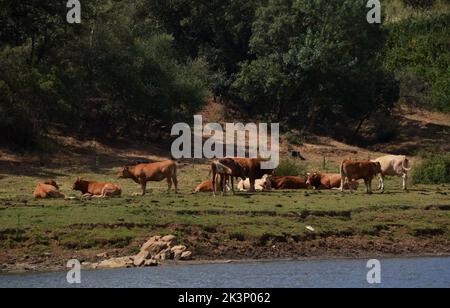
point(434, 169)
point(291, 167)
point(315, 61)
point(418, 52)
point(102, 77)
point(216, 30)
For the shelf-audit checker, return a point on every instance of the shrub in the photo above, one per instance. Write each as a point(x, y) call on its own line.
point(290, 167)
point(434, 169)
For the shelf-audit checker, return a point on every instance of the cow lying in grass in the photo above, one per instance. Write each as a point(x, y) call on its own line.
point(319, 181)
point(154, 172)
point(207, 186)
point(96, 189)
point(288, 182)
point(47, 190)
point(260, 185)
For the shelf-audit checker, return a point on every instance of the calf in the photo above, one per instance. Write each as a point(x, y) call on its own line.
point(288, 182)
point(392, 165)
point(47, 190)
point(253, 169)
point(96, 189)
point(319, 180)
point(260, 185)
point(155, 172)
point(357, 170)
point(207, 186)
point(227, 169)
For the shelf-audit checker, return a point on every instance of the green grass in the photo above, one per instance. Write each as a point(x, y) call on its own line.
point(117, 223)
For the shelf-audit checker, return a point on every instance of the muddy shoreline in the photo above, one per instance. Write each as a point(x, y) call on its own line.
point(248, 251)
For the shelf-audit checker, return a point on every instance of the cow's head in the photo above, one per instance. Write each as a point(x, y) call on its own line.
point(377, 168)
point(313, 179)
point(125, 173)
point(79, 184)
point(52, 183)
point(241, 172)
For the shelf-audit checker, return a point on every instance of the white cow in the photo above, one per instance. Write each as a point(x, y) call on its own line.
point(392, 165)
point(260, 185)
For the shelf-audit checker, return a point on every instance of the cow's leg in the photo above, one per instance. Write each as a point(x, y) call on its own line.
point(405, 181)
point(343, 183)
point(144, 187)
point(86, 196)
point(382, 179)
point(175, 183)
point(232, 185)
point(214, 183)
point(169, 184)
point(223, 183)
point(370, 186)
point(252, 185)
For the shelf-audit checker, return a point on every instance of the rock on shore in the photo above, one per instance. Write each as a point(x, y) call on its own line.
point(157, 249)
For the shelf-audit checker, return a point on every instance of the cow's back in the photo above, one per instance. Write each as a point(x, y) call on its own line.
point(156, 171)
point(391, 164)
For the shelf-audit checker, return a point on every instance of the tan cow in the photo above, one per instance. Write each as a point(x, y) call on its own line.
point(392, 165)
point(260, 185)
point(227, 169)
point(154, 172)
point(359, 170)
point(47, 190)
point(207, 186)
point(319, 180)
point(97, 189)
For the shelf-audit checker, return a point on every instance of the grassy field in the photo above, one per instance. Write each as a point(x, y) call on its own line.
point(222, 227)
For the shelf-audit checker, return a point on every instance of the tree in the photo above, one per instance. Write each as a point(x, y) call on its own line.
point(316, 62)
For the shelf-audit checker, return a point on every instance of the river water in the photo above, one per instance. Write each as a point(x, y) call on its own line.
point(409, 273)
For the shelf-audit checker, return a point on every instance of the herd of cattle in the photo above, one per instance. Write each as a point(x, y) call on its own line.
point(252, 177)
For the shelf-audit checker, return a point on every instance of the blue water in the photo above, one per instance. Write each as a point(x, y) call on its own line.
point(395, 273)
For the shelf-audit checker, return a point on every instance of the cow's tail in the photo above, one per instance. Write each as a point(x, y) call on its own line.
point(406, 165)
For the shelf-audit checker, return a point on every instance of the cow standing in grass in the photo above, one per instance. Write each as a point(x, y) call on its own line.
point(253, 169)
point(392, 165)
point(359, 170)
point(154, 172)
point(227, 169)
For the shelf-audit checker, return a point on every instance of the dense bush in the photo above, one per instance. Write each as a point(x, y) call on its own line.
point(112, 75)
point(291, 167)
point(418, 53)
point(434, 169)
point(317, 62)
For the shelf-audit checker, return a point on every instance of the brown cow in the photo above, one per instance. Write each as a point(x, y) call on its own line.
point(207, 186)
point(47, 190)
point(253, 169)
point(226, 169)
point(357, 170)
point(155, 172)
point(288, 182)
point(328, 181)
point(96, 189)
